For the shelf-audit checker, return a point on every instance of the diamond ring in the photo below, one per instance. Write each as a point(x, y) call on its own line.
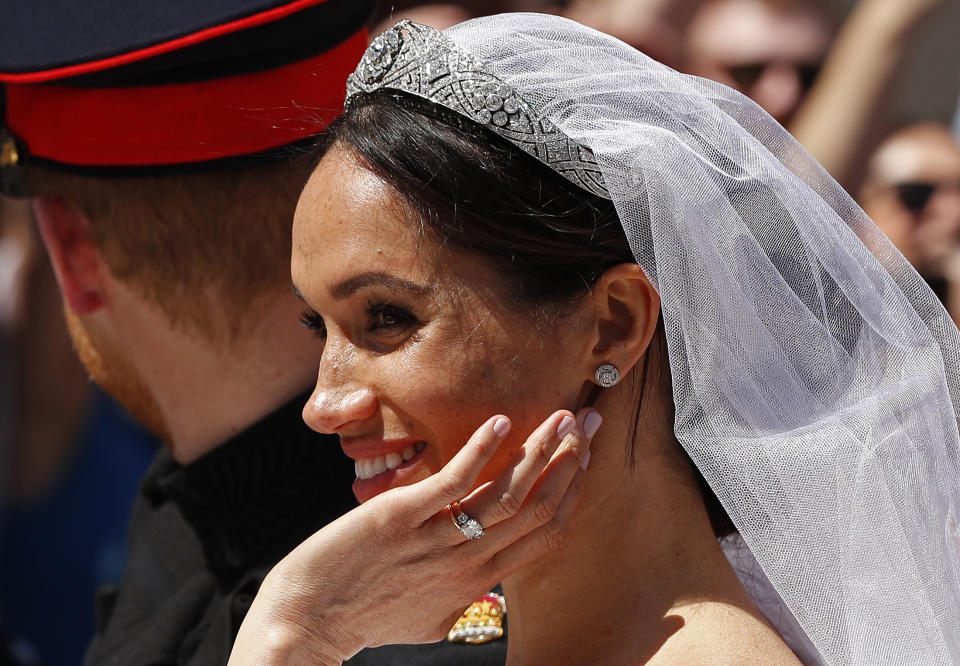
point(469, 527)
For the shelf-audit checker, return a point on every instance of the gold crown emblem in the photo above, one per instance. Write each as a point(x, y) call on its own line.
point(8, 152)
point(482, 622)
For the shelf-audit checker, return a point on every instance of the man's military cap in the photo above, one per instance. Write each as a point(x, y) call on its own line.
point(126, 87)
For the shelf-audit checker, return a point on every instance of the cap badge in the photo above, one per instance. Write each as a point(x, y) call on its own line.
point(9, 156)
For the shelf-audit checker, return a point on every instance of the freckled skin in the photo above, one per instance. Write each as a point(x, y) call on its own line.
point(468, 357)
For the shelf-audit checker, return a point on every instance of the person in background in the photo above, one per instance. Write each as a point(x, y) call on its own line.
point(656, 27)
point(827, 82)
point(848, 109)
point(912, 192)
point(770, 51)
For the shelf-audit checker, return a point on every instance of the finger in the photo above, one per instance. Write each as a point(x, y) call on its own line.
point(494, 501)
point(550, 484)
point(458, 477)
point(563, 438)
point(509, 553)
point(550, 489)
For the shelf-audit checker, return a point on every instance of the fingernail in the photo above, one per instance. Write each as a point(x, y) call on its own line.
point(591, 424)
point(566, 426)
point(501, 426)
point(586, 461)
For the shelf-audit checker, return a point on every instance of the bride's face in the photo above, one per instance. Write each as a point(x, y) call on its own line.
point(420, 345)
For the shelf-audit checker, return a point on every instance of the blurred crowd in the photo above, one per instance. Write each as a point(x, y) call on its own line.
point(830, 71)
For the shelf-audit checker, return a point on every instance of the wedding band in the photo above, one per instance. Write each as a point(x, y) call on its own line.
point(469, 527)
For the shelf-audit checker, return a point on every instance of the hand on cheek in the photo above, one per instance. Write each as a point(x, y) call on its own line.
point(364, 579)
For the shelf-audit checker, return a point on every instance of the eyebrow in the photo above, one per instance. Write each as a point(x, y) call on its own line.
point(377, 279)
point(351, 285)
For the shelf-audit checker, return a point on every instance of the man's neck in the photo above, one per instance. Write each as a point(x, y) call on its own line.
point(207, 392)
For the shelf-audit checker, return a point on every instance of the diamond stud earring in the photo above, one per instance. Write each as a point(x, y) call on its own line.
point(607, 375)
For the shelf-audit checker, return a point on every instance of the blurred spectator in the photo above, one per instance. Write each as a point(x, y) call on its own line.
point(912, 192)
point(656, 27)
point(847, 109)
point(770, 51)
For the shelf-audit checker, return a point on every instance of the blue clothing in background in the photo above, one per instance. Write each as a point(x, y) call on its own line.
point(58, 551)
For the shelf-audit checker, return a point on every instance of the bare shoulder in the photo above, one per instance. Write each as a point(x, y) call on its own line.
point(722, 634)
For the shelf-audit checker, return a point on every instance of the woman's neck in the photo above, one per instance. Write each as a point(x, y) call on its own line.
point(637, 558)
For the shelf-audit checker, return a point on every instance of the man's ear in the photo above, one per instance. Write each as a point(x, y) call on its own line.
point(77, 262)
point(627, 308)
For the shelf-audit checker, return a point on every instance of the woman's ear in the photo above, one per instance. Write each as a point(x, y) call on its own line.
point(627, 308)
point(76, 260)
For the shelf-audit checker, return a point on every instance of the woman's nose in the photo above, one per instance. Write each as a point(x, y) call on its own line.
point(337, 401)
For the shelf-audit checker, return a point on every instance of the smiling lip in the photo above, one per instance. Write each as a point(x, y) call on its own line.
point(381, 465)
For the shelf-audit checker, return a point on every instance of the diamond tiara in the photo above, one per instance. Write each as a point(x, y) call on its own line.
point(422, 61)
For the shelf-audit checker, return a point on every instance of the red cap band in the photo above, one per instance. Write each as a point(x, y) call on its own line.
point(183, 123)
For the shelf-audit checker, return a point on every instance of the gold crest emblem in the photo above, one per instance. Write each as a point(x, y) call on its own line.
point(8, 153)
point(482, 622)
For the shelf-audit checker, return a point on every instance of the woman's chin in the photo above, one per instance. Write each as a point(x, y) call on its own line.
point(405, 475)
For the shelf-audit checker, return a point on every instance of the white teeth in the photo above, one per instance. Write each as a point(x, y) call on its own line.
point(393, 460)
point(367, 468)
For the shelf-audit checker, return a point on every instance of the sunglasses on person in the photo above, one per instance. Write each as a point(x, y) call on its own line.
point(915, 196)
point(746, 75)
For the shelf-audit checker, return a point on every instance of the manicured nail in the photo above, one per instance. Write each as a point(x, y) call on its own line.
point(501, 426)
point(586, 461)
point(566, 426)
point(591, 424)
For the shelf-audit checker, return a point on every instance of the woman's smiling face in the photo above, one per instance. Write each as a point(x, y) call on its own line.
point(421, 345)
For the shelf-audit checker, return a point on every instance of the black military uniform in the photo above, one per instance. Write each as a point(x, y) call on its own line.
point(114, 88)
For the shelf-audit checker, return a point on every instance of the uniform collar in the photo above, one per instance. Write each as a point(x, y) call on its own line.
point(259, 494)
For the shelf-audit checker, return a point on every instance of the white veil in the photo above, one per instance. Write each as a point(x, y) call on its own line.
point(815, 380)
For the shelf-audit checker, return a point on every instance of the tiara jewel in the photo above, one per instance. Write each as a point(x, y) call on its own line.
point(422, 61)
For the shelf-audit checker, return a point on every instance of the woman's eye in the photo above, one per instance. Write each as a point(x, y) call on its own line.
point(313, 321)
point(387, 318)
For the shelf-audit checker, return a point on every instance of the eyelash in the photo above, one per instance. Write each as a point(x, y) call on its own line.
point(383, 316)
point(314, 322)
point(402, 318)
